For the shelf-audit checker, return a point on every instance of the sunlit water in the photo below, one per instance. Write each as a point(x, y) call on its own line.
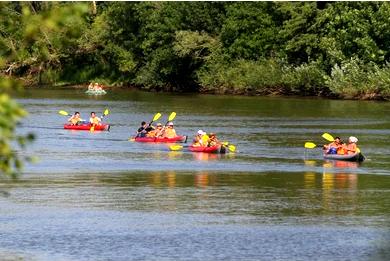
point(98, 196)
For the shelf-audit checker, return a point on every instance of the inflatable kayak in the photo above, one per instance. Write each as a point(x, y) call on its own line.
point(214, 149)
point(102, 127)
point(160, 139)
point(96, 92)
point(349, 157)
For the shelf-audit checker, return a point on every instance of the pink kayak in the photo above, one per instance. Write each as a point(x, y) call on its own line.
point(102, 127)
point(214, 149)
point(161, 139)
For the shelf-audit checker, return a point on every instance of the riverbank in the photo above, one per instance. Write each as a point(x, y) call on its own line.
point(223, 90)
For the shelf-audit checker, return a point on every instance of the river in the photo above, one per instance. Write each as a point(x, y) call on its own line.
point(98, 196)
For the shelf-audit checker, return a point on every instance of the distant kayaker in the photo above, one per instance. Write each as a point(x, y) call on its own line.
point(75, 119)
point(351, 147)
point(154, 132)
point(159, 132)
point(333, 147)
point(212, 140)
point(201, 139)
point(94, 119)
point(169, 131)
point(141, 132)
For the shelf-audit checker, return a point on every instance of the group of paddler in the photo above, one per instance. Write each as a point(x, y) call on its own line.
point(337, 149)
point(206, 142)
point(167, 133)
point(76, 122)
point(147, 132)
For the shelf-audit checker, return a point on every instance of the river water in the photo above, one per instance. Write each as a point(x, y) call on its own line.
point(99, 196)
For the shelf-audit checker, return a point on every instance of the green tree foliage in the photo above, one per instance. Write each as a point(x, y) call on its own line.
point(35, 38)
point(294, 47)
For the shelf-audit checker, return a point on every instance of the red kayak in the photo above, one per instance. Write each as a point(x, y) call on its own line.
point(214, 149)
point(102, 127)
point(161, 139)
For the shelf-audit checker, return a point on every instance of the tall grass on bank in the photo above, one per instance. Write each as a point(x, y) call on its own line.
point(354, 79)
point(263, 78)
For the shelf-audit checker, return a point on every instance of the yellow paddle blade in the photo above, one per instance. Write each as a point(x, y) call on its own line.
point(92, 128)
point(157, 116)
point(357, 150)
point(327, 136)
point(106, 112)
point(175, 147)
point(172, 116)
point(225, 143)
point(232, 148)
point(63, 113)
point(310, 145)
point(131, 139)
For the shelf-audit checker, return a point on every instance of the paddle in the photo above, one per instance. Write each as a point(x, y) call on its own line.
point(156, 117)
point(105, 113)
point(230, 147)
point(328, 137)
point(64, 113)
point(176, 147)
point(310, 145)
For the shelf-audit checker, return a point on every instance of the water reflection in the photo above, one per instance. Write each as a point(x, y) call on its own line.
point(202, 179)
point(340, 176)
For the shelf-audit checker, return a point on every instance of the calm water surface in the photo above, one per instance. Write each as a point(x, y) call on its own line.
point(98, 196)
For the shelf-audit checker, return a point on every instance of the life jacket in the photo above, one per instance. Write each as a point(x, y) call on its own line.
point(204, 140)
point(94, 120)
point(75, 120)
point(151, 133)
point(170, 133)
point(352, 148)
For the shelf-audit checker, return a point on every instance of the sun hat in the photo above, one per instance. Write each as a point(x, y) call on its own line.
point(170, 123)
point(353, 139)
point(200, 132)
point(159, 125)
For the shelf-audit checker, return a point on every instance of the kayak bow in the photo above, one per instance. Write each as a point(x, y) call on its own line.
point(102, 127)
point(161, 139)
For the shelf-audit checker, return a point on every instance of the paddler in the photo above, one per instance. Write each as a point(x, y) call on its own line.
point(153, 132)
point(351, 147)
point(212, 141)
point(94, 120)
point(159, 130)
point(333, 147)
point(169, 131)
point(201, 139)
point(75, 119)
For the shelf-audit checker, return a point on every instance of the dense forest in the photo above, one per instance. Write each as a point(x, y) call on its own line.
point(338, 49)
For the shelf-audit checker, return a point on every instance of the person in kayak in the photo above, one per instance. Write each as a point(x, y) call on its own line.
point(94, 120)
point(159, 131)
point(144, 130)
point(169, 131)
point(351, 147)
point(154, 132)
point(212, 141)
point(201, 139)
point(75, 119)
point(333, 147)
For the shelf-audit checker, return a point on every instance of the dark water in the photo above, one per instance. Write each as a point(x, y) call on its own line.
point(98, 196)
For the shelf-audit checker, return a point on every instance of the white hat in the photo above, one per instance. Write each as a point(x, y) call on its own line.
point(200, 132)
point(353, 139)
point(170, 123)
